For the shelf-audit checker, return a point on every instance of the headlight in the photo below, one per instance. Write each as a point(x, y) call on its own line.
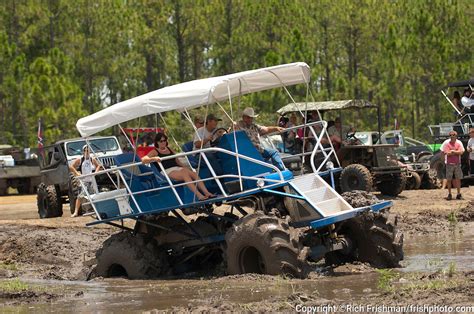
point(260, 183)
point(294, 165)
point(330, 165)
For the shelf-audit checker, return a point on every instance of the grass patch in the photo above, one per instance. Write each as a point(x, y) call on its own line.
point(386, 278)
point(8, 266)
point(452, 218)
point(15, 285)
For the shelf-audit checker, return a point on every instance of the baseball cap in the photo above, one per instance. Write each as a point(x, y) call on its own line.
point(212, 117)
point(249, 112)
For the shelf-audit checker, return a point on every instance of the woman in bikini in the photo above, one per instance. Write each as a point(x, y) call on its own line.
point(174, 169)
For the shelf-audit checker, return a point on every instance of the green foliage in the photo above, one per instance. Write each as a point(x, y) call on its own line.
point(61, 60)
point(15, 285)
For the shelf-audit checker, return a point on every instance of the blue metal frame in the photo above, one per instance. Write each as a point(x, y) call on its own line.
point(320, 223)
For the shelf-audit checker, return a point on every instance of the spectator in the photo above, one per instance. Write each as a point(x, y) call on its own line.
point(203, 138)
point(84, 164)
point(457, 101)
point(467, 100)
point(254, 131)
point(470, 149)
point(452, 149)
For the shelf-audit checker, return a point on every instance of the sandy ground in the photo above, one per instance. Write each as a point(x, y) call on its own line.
point(64, 249)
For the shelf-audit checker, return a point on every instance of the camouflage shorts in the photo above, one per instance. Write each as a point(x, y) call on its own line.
point(453, 171)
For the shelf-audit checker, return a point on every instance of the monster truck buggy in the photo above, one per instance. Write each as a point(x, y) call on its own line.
point(274, 223)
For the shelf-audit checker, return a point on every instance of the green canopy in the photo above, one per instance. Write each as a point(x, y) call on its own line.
point(326, 105)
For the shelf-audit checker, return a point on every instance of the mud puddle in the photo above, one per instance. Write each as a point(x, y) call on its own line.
point(350, 282)
point(433, 253)
point(121, 295)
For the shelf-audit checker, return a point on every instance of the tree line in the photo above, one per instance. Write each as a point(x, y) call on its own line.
point(61, 60)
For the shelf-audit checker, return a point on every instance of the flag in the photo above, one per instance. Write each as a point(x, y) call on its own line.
point(40, 136)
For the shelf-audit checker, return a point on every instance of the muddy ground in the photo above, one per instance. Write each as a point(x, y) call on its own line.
point(61, 250)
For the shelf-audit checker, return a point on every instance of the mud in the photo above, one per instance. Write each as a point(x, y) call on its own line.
point(60, 253)
point(49, 253)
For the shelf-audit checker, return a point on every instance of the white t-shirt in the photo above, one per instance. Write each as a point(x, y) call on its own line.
point(86, 168)
point(467, 102)
point(201, 134)
point(470, 144)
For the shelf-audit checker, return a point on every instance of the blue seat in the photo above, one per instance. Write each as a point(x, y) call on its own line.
point(246, 148)
point(188, 147)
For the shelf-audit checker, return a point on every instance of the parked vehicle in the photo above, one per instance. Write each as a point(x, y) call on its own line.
point(17, 171)
point(276, 222)
point(58, 186)
point(365, 167)
point(413, 154)
point(464, 121)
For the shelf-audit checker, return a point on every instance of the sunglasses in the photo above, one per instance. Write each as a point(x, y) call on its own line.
point(452, 135)
point(163, 141)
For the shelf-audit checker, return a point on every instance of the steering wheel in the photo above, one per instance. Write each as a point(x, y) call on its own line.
point(216, 135)
point(351, 139)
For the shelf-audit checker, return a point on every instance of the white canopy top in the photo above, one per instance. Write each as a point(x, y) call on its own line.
point(193, 94)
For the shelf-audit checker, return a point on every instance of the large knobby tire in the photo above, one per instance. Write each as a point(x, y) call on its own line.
point(394, 186)
point(264, 244)
point(134, 257)
point(48, 201)
point(74, 188)
point(356, 177)
point(413, 182)
point(375, 240)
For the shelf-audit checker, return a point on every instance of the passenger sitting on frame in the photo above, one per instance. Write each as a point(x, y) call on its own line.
point(174, 169)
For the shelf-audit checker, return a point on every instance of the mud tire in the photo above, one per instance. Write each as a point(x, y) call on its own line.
point(135, 257)
point(264, 244)
point(48, 202)
point(74, 189)
point(413, 182)
point(394, 186)
point(375, 239)
point(356, 177)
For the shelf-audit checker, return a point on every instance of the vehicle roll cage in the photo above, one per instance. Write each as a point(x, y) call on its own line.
point(261, 181)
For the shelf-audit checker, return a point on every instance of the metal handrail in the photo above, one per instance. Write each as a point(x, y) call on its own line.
point(173, 186)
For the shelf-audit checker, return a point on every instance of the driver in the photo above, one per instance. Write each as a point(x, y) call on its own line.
point(203, 138)
point(338, 132)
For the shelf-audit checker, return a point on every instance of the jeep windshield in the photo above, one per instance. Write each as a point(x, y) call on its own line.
point(100, 145)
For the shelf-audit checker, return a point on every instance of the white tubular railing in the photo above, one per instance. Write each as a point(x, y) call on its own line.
point(272, 182)
point(318, 147)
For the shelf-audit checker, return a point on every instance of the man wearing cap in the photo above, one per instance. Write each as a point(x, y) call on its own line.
point(85, 164)
point(452, 149)
point(203, 137)
point(254, 131)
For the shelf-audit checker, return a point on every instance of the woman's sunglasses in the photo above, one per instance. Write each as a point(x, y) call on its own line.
point(163, 141)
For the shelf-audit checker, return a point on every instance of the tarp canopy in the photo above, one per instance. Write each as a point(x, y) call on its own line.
point(326, 106)
point(194, 94)
point(465, 83)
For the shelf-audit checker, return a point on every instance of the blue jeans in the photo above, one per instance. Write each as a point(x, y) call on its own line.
point(270, 153)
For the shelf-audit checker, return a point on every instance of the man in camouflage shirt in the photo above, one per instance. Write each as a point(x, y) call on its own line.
point(254, 131)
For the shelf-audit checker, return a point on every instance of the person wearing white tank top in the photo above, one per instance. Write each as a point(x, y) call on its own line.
point(85, 165)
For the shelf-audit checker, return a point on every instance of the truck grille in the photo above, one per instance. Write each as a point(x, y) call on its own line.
point(107, 161)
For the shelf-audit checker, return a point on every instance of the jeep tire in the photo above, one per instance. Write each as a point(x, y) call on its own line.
point(48, 201)
point(356, 177)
